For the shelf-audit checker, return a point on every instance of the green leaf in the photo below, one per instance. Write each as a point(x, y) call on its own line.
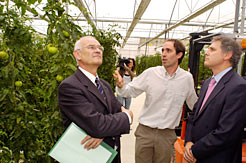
point(54, 68)
point(1, 9)
point(31, 1)
point(51, 17)
point(60, 31)
point(23, 10)
point(34, 12)
point(64, 26)
point(3, 94)
point(55, 115)
point(71, 66)
point(18, 120)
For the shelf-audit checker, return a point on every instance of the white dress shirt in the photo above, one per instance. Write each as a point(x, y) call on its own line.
point(165, 96)
point(89, 75)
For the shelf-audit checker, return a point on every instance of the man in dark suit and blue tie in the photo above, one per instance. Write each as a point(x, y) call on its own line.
point(89, 101)
point(214, 131)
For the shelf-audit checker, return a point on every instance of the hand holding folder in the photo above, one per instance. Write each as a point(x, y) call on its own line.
point(91, 143)
point(69, 149)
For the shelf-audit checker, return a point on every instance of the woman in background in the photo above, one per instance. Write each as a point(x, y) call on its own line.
point(127, 73)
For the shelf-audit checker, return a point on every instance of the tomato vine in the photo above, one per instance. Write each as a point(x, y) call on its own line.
point(30, 74)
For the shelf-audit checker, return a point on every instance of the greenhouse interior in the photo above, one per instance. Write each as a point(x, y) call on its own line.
point(37, 39)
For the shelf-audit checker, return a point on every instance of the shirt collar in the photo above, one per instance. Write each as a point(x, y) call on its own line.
point(174, 74)
point(89, 75)
point(221, 74)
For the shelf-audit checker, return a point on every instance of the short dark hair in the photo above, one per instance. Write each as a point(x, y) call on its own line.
point(179, 47)
point(230, 45)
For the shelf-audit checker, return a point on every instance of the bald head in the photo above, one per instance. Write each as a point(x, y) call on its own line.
point(81, 42)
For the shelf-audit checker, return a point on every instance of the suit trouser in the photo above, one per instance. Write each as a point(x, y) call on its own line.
point(154, 145)
point(117, 158)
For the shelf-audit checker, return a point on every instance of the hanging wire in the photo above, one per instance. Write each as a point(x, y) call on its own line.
point(146, 46)
point(242, 16)
point(134, 7)
point(95, 11)
point(172, 13)
point(170, 18)
point(188, 6)
point(195, 5)
point(89, 10)
point(218, 15)
point(206, 20)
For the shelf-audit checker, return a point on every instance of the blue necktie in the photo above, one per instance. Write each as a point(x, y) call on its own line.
point(99, 86)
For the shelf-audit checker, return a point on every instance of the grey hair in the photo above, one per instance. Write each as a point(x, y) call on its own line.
point(230, 45)
point(78, 45)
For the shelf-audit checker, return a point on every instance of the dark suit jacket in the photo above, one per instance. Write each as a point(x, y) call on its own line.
point(216, 131)
point(80, 102)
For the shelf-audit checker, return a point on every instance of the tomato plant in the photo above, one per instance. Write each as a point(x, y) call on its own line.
point(144, 62)
point(30, 74)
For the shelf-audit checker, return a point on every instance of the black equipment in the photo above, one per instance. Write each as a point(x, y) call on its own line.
point(122, 62)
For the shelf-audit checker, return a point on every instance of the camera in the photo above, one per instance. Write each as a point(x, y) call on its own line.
point(122, 62)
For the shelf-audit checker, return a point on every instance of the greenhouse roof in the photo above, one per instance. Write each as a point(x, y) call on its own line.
point(146, 22)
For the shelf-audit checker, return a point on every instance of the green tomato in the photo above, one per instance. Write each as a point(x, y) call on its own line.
point(48, 46)
point(65, 33)
point(4, 55)
point(18, 83)
point(52, 50)
point(59, 78)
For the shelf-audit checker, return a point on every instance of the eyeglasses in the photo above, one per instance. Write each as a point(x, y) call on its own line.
point(93, 47)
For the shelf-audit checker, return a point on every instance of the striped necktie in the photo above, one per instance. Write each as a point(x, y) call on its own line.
point(99, 85)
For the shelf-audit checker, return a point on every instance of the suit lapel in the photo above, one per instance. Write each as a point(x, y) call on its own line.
point(89, 85)
point(218, 88)
point(202, 95)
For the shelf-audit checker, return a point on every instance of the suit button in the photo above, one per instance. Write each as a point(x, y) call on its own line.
point(113, 138)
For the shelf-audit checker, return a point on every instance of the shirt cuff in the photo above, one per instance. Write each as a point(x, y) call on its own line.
point(121, 90)
point(129, 117)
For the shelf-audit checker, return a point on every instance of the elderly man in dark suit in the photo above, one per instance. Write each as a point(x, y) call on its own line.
point(89, 101)
point(215, 127)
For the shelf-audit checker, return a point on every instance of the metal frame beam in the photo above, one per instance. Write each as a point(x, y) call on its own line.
point(159, 22)
point(84, 11)
point(187, 18)
point(141, 9)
